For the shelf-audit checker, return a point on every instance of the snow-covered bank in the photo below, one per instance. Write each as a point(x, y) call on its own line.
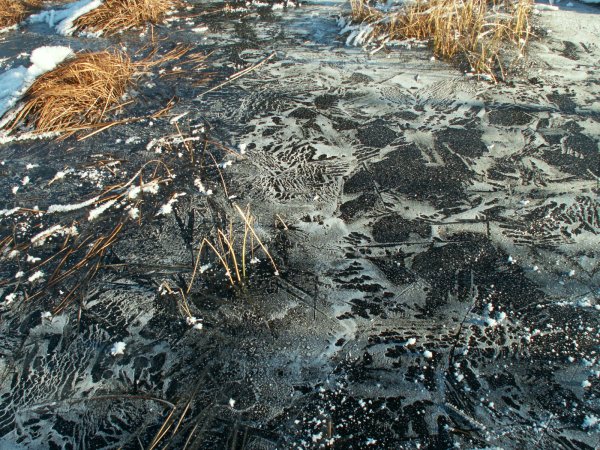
point(62, 19)
point(14, 82)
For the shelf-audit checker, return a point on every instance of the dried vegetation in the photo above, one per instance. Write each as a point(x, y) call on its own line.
point(82, 92)
point(14, 11)
point(114, 16)
point(468, 31)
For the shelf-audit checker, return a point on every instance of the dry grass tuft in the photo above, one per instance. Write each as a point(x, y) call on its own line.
point(114, 16)
point(473, 31)
point(79, 92)
point(14, 11)
point(232, 249)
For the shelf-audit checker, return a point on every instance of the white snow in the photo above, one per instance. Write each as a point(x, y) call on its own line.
point(10, 298)
point(36, 276)
point(66, 208)
point(201, 188)
point(118, 348)
point(41, 237)
point(97, 212)
point(134, 213)
point(591, 422)
point(195, 323)
point(14, 82)
point(167, 208)
point(62, 19)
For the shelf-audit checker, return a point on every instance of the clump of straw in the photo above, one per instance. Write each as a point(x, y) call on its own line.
point(79, 92)
point(83, 91)
point(474, 31)
point(114, 16)
point(14, 11)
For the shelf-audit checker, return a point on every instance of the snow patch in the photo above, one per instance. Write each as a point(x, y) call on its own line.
point(118, 348)
point(14, 82)
point(62, 19)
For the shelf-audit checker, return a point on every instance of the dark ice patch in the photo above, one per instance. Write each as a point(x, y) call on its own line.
point(454, 269)
point(578, 154)
point(564, 102)
point(353, 208)
point(358, 77)
point(395, 228)
point(325, 101)
point(466, 142)
point(341, 124)
point(510, 116)
point(405, 171)
point(359, 182)
point(377, 136)
point(570, 51)
point(303, 113)
point(394, 269)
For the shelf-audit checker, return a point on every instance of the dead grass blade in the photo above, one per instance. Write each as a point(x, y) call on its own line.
point(232, 257)
point(14, 11)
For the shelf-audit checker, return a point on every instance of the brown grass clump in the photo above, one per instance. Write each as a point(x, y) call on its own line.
point(83, 91)
point(114, 16)
point(79, 92)
point(475, 30)
point(14, 11)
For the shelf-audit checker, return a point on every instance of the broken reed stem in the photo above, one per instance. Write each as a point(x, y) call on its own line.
point(228, 250)
point(251, 228)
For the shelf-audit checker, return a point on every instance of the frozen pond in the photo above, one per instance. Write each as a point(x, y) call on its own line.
point(436, 241)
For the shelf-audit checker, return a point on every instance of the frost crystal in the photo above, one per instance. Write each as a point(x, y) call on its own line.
point(118, 348)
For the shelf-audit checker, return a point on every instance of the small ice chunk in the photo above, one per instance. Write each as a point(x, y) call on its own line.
point(10, 298)
point(427, 354)
point(134, 213)
point(46, 315)
point(590, 422)
point(36, 276)
point(231, 402)
point(194, 322)
point(97, 212)
point(411, 341)
point(118, 348)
